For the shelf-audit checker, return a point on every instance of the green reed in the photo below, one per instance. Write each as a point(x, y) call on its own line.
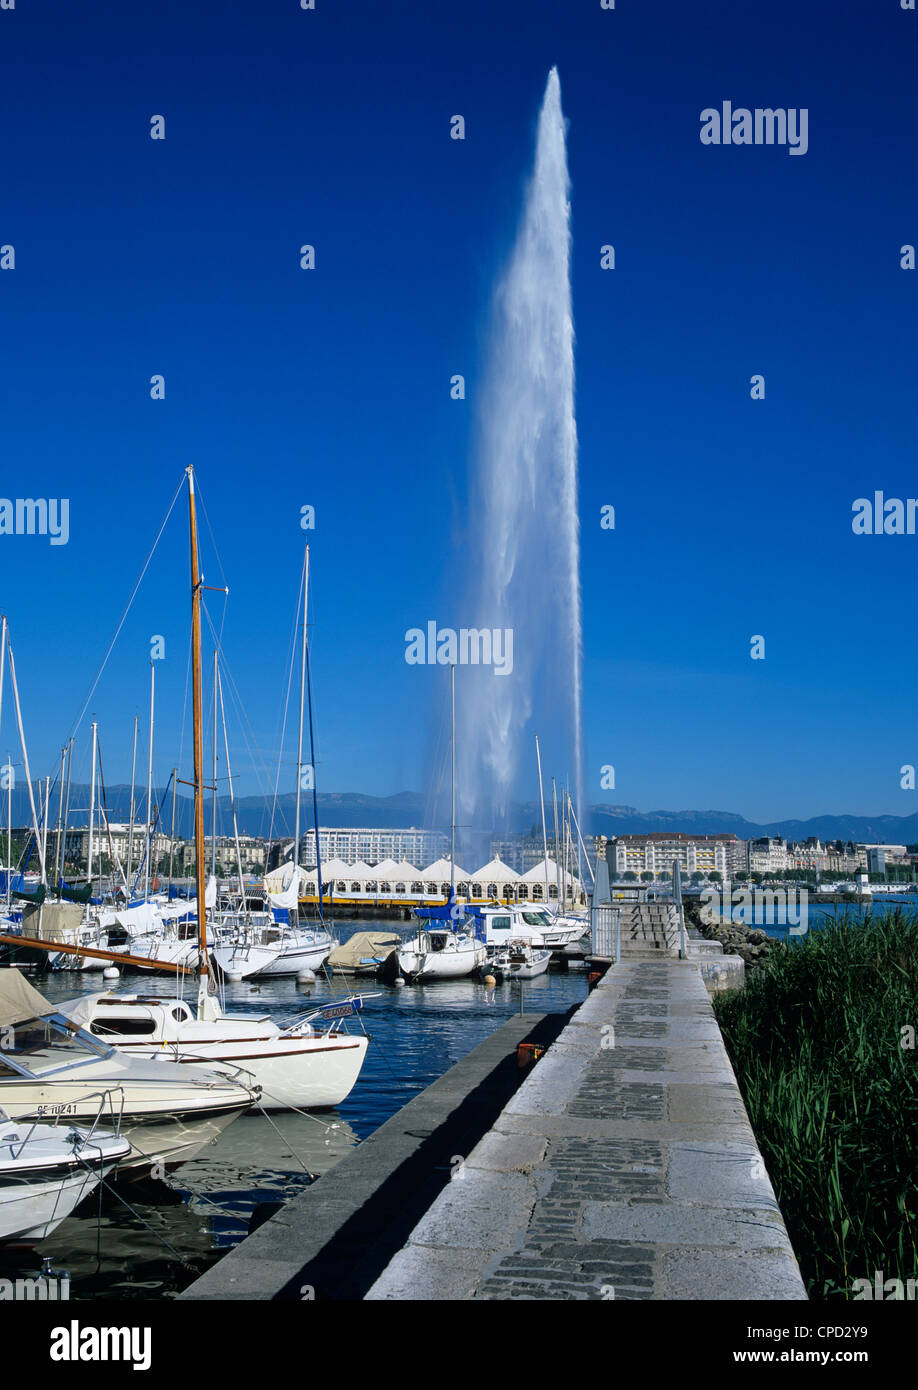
point(816, 1041)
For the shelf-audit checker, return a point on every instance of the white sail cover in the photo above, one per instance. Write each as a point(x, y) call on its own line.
point(210, 892)
point(288, 897)
point(138, 921)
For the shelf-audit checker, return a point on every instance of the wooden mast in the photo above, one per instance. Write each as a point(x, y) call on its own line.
point(198, 747)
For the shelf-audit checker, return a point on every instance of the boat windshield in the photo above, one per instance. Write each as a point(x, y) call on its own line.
point(43, 1044)
point(537, 919)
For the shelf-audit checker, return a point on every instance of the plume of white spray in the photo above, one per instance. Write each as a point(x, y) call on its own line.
point(524, 531)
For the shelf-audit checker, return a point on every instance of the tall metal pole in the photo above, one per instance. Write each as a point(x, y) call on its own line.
point(542, 804)
point(9, 762)
point(554, 799)
point(452, 782)
point(150, 832)
point(130, 861)
point(198, 749)
point(213, 795)
point(229, 779)
point(60, 813)
point(46, 814)
point(9, 830)
point(92, 801)
point(299, 753)
point(9, 774)
point(25, 752)
point(63, 849)
point(172, 828)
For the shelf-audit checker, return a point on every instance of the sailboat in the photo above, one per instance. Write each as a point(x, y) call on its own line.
point(301, 1065)
point(443, 953)
point(265, 945)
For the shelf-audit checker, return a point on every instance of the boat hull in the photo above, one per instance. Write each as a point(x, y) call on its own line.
point(294, 1073)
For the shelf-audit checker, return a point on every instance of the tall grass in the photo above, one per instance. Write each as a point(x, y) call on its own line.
point(816, 1040)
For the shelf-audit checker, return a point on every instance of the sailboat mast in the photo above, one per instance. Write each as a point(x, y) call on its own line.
point(149, 854)
point(315, 792)
point(131, 827)
point(62, 853)
point(213, 795)
point(542, 804)
point(47, 813)
point(92, 802)
point(554, 802)
point(60, 812)
point(9, 830)
point(452, 782)
point(229, 781)
point(25, 752)
point(299, 749)
point(9, 773)
point(172, 828)
point(198, 744)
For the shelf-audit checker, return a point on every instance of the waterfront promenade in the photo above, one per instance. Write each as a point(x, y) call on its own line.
point(623, 1168)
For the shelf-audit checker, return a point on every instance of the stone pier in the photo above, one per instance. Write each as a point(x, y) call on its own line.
point(623, 1168)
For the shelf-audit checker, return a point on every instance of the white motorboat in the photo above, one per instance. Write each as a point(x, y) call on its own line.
point(51, 1068)
point(530, 924)
point(45, 1171)
point(519, 961)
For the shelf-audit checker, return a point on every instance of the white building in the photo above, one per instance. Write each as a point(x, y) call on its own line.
point(658, 852)
point(373, 846)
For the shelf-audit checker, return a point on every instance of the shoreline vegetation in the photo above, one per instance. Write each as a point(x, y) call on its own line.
point(823, 1042)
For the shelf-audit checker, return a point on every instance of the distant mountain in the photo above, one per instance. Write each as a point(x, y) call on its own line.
point(403, 809)
point(626, 820)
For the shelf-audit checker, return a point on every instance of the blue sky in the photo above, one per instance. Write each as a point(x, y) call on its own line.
point(331, 387)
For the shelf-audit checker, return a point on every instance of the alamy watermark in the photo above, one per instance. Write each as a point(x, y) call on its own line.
point(884, 516)
point(882, 1289)
point(36, 516)
point(762, 126)
point(749, 906)
point(469, 646)
point(47, 1287)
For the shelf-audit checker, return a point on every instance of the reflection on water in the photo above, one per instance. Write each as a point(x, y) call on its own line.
point(204, 1207)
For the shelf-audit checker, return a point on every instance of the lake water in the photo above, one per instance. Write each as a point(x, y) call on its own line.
point(204, 1207)
point(796, 919)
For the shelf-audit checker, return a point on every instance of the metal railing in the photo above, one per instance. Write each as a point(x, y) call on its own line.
point(606, 929)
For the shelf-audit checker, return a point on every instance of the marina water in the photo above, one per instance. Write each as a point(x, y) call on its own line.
point(204, 1207)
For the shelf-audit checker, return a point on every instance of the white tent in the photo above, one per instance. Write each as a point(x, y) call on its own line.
point(494, 880)
point(535, 877)
point(495, 871)
point(440, 870)
point(335, 877)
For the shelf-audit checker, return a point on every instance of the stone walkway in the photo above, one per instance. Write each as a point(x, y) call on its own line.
point(623, 1168)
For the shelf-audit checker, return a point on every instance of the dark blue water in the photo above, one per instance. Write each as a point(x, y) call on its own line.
point(203, 1208)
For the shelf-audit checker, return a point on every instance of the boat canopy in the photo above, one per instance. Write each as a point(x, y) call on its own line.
point(18, 999)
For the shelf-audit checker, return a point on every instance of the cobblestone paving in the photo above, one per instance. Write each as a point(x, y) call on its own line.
point(612, 1215)
point(556, 1260)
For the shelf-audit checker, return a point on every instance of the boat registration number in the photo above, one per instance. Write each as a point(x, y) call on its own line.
point(64, 1108)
